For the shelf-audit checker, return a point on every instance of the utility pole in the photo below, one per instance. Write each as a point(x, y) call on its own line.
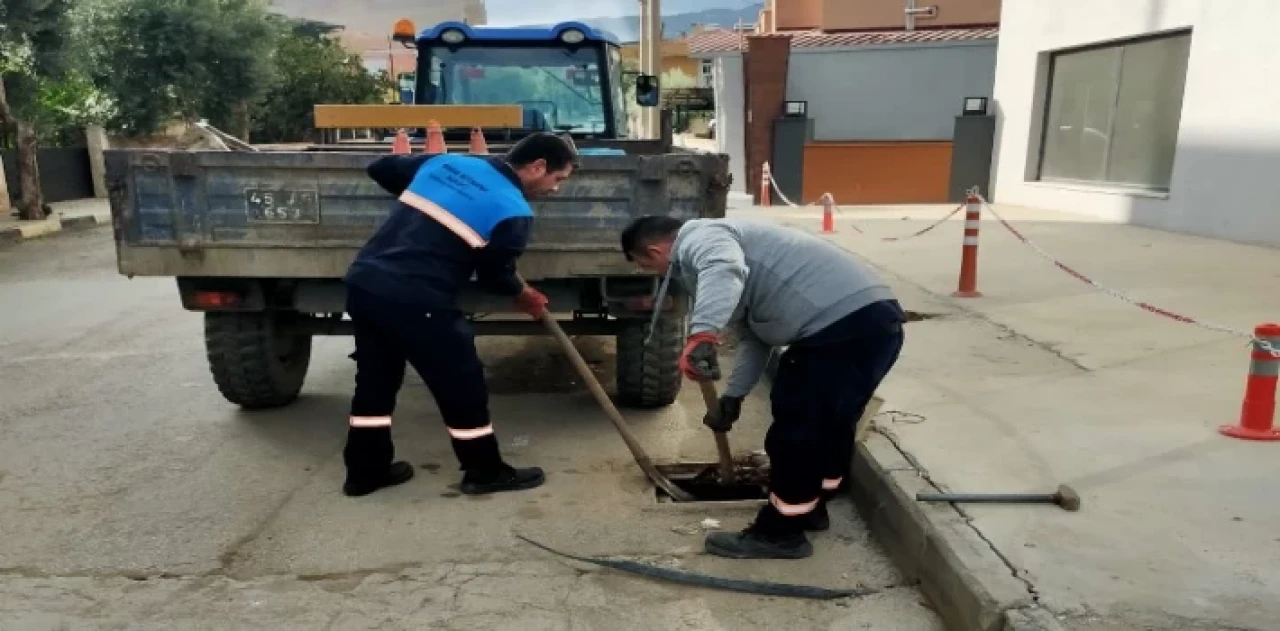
point(642, 56)
point(651, 60)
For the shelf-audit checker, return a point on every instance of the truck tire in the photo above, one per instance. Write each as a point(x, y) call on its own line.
point(255, 360)
point(649, 376)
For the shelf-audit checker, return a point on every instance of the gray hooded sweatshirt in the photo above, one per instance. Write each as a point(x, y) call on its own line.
point(776, 284)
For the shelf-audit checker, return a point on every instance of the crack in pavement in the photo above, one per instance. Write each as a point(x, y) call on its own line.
point(227, 559)
point(1014, 571)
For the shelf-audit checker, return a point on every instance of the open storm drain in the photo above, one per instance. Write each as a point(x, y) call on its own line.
point(702, 481)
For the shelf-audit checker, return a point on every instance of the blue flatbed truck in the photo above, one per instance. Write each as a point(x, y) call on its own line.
point(258, 241)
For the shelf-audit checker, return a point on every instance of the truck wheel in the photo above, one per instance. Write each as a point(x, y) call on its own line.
point(649, 376)
point(256, 361)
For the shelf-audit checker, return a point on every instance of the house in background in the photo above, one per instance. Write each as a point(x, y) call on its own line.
point(1163, 114)
point(679, 69)
point(378, 54)
point(881, 82)
point(367, 32)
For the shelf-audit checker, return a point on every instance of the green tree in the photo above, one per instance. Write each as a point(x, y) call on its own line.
point(191, 59)
point(32, 55)
point(312, 68)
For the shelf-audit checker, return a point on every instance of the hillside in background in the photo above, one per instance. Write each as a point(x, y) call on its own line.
point(628, 28)
point(617, 16)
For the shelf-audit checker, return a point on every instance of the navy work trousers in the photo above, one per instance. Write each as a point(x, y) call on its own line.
point(823, 384)
point(441, 347)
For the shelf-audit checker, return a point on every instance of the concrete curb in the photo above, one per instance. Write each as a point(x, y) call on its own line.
point(25, 230)
point(967, 581)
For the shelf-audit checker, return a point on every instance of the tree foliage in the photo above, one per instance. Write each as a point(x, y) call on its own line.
point(33, 37)
point(192, 59)
point(230, 62)
point(32, 57)
point(311, 68)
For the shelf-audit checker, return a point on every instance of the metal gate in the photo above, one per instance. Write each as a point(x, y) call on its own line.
point(64, 173)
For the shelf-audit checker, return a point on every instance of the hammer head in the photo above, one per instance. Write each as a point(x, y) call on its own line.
point(1067, 498)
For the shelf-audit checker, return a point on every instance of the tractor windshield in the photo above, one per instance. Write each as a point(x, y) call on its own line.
point(559, 89)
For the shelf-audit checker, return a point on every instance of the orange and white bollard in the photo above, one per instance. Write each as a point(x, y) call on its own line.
point(478, 144)
point(969, 253)
point(400, 145)
point(828, 214)
point(435, 139)
point(1258, 412)
point(765, 188)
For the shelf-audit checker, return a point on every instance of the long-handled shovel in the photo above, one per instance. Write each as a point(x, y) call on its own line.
point(619, 423)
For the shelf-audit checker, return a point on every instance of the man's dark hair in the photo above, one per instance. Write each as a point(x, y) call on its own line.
point(646, 231)
point(558, 152)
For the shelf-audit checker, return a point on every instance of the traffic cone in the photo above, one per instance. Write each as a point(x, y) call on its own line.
point(968, 287)
point(478, 144)
point(401, 144)
point(435, 139)
point(1257, 413)
point(828, 214)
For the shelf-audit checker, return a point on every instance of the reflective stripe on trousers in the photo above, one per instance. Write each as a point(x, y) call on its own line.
point(369, 421)
point(470, 434)
point(792, 510)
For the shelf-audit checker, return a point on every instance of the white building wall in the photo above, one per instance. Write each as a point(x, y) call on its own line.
point(730, 125)
point(1226, 173)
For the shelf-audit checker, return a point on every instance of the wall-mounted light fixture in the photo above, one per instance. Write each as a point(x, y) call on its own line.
point(975, 106)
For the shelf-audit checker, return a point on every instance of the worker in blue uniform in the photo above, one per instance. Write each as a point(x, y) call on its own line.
point(456, 216)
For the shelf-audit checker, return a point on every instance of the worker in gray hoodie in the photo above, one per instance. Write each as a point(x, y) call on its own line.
point(779, 286)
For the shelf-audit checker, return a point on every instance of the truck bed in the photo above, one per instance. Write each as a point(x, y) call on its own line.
point(304, 214)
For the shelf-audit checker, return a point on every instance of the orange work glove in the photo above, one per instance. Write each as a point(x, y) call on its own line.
point(699, 361)
point(532, 302)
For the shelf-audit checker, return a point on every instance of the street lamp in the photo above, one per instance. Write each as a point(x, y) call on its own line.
point(975, 106)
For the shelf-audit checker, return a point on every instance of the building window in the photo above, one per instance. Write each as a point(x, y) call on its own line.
point(1113, 113)
point(707, 80)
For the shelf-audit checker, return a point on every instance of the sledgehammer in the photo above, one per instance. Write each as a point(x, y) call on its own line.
point(1065, 496)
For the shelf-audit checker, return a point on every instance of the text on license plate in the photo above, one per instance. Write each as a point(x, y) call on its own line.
point(281, 206)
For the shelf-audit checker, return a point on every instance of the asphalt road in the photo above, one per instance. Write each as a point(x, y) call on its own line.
point(133, 496)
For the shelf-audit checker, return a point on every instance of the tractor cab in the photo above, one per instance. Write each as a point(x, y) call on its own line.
point(566, 78)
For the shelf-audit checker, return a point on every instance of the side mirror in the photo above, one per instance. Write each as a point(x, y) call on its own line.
point(647, 92)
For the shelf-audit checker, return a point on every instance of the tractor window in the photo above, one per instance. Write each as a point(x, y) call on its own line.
point(559, 89)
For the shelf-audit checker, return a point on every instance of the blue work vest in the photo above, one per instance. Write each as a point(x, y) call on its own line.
point(467, 195)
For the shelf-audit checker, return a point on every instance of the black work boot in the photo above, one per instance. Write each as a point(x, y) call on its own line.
point(818, 520)
point(368, 455)
point(358, 485)
point(505, 478)
point(772, 536)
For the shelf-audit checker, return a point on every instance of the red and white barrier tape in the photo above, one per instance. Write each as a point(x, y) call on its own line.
point(935, 225)
point(1150, 308)
point(773, 184)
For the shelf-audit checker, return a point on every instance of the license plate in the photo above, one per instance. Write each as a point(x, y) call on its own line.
point(282, 206)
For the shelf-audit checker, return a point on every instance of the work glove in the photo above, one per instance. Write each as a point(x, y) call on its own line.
point(532, 302)
point(699, 361)
point(730, 408)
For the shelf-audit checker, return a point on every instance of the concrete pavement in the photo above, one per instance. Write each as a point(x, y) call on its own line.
point(132, 496)
point(1045, 380)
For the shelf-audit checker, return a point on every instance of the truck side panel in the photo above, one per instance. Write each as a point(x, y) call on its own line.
point(307, 202)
